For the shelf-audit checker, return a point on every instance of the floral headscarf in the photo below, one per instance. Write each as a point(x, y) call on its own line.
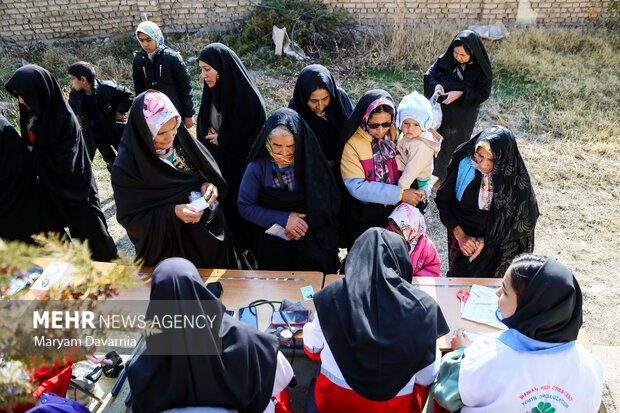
point(383, 150)
point(157, 110)
point(153, 31)
point(410, 221)
point(283, 161)
point(485, 195)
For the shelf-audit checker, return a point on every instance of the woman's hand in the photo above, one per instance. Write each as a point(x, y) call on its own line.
point(459, 339)
point(296, 227)
point(439, 90)
point(187, 213)
point(188, 122)
point(467, 244)
point(211, 135)
point(452, 96)
point(480, 242)
point(413, 196)
point(209, 192)
point(120, 116)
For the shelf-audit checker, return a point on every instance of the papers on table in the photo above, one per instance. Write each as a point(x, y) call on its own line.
point(277, 231)
point(56, 273)
point(481, 307)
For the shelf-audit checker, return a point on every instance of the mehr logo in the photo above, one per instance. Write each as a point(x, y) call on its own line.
point(63, 319)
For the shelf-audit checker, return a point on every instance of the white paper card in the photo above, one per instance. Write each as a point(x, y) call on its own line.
point(50, 276)
point(307, 292)
point(481, 307)
point(277, 231)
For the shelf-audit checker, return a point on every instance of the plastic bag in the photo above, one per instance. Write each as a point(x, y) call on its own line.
point(437, 114)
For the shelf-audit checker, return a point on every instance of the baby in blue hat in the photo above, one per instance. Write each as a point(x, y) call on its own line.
point(418, 142)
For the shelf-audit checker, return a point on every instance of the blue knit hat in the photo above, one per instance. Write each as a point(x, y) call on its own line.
point(417, 107)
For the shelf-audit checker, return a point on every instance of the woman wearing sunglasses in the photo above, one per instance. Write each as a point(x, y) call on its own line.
point(368, 166)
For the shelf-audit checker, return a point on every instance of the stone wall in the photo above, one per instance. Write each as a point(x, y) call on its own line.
point(25, 20)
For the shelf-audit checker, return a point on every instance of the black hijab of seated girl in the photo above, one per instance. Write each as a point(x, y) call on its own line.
point(384, 149)
point(241, 377)
point(233, 95)
point(326, 128)
point(474, 46)
point(549, 301)
point(321, 198)
point(376, 310)
point(514, 209)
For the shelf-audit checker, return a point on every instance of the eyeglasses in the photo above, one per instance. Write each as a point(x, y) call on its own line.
point(376, 125)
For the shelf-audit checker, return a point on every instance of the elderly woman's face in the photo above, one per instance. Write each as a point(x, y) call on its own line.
point(318, 101)
point(507, 296)
point(485, 160)
point(208, 73)
point(460, 55)
point(165, 136)
point(379, 124)
point(283, 145)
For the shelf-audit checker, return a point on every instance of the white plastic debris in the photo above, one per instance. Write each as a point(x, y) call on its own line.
point(283, 44)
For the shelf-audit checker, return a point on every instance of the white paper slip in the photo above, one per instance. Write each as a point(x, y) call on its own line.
point(199, 202)
point(307, 292)
point(277, 231)
point(481, 307)
point(52, 276)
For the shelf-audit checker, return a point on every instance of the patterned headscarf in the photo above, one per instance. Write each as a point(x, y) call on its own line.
point(485, 195)
point(383, 149)
point(283, 161)
point(410, 221)
point(153, 31)
point(157, 110)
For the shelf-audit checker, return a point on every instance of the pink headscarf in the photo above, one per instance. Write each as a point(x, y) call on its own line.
point(410, 221)
point(157, 110)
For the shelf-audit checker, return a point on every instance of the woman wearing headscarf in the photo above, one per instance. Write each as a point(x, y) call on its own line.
point(60, 159)
point(231, 116)
point(534, 366)
point(461, 80)
point(158, 165)
point(323, 105)
point(228, 365)
point(376, 333)
point(159, 67)
point(367, 166)
point(289, 192)
point(23, 210)
point(487, 204)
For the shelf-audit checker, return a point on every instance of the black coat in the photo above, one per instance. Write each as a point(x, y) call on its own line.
point(166, 73)
point(60, 157)
point(146, 191)
point(459, 117)
point(110, 98)
point(25, 209)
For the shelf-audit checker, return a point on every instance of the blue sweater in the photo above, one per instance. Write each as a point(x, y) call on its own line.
point(258, 175)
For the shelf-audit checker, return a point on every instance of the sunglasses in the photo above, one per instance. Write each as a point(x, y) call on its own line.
point(376, 125)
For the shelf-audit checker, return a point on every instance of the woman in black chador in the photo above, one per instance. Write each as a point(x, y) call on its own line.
point(217, 362)
point(24, 210)
point(60, 158)
point(289, 190)
point(487, 204)
point(231, 116)
point(158, 165)
point(462, 76)
point(323, 105)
